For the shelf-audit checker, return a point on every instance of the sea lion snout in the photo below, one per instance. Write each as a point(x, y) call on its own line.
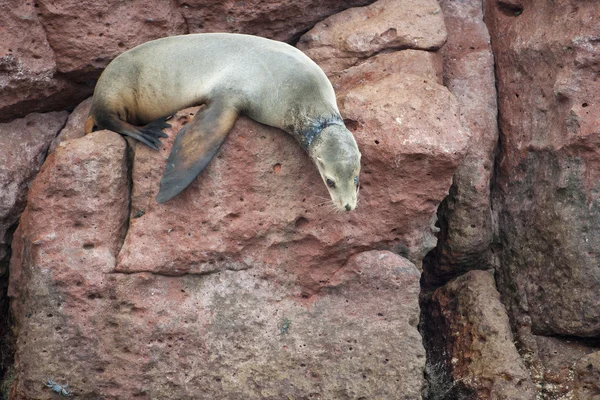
point(337, 158)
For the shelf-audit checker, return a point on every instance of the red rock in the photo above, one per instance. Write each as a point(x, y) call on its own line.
point(87, 36)
point(265, 195)
point(474, 356)
point(587, 377)
point(216, 334)
point(63, 251)
point(75, 126)
point(27, 66)
point(343, 39)
point(465, 215)
point(546, 192)
point(282, 20)
point(23, 143)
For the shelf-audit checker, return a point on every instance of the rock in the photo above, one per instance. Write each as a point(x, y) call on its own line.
point(587, 377)
point(268, 202)
point(24, 143)
point(275, 294)
point(63, 252)
point(407, 62)
point(75, 126)
point(27, 66)
point(473, 355)
point(546, 193)
point(344, 39)
point(54, 51)
point(284, 20)
point(203, 335)
point(86, 36)
point(465, 215)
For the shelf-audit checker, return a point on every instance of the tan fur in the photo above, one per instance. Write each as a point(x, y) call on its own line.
point(270, 82)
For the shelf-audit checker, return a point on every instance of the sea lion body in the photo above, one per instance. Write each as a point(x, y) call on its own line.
point(269, 81)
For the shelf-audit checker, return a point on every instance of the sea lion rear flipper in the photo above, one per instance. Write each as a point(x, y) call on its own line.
point(149, 134)
point(195, 145)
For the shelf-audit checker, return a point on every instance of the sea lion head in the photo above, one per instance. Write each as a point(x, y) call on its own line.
point(337, 158)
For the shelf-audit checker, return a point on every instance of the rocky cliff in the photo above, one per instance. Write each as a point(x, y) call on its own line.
point(469, 269)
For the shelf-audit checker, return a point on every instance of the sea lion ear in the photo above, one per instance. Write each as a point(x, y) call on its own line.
point(320, 162)
point(195, 145)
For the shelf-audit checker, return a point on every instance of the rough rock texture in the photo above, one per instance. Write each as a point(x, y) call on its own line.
point(86, 36)
point(345, 38)
point(28, 79)
point(247, 285)
point(54, 50)
point(473, 355)
point(283, 20)
point(267, 198)
point(75, 126)
point(23, 146)
point(547, 191)
point(587, 377)
point(465, 216)
point(233, 331)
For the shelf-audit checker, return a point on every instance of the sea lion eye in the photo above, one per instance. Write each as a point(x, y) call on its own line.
point(356, 181)
point(330, 183)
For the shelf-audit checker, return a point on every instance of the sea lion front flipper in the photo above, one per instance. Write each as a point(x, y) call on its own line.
point(195, 145)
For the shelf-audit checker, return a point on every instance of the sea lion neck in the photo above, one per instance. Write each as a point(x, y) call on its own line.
point(311, 134)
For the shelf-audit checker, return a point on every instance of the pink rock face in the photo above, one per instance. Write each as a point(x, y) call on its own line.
point(27, 66)
point(547, 194)
point(63, 252)
point(247, 285)
point(23, 146)
point(345, 38)
point(75, 126)
point(474, 348)
point(235, 332)
point(262, 198)
point(282, 20)
point(465, 215)
point(86, 36)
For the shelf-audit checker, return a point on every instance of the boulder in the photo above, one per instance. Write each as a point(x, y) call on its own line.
point(587, 377)
point(465, 216)
point(547, 192)
point(239, 330)
point(350, 36)
point(247, 284)
point(24, 143)
point(473, 355)
point(28, 79)
point(75, 126)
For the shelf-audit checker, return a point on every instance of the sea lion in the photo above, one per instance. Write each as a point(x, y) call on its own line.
point(231, 74)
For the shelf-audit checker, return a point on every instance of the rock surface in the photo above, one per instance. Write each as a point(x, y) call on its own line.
point(587, 377)
point(259, 211)
point(283, 20)
point(240, 330)
point(276, 295)
point(28, 79)
point(465, 217)
point(547, 191)
point(54, 51)
point(75, 126)
point(474, 357)
point(343, 39)
point(23, 143)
